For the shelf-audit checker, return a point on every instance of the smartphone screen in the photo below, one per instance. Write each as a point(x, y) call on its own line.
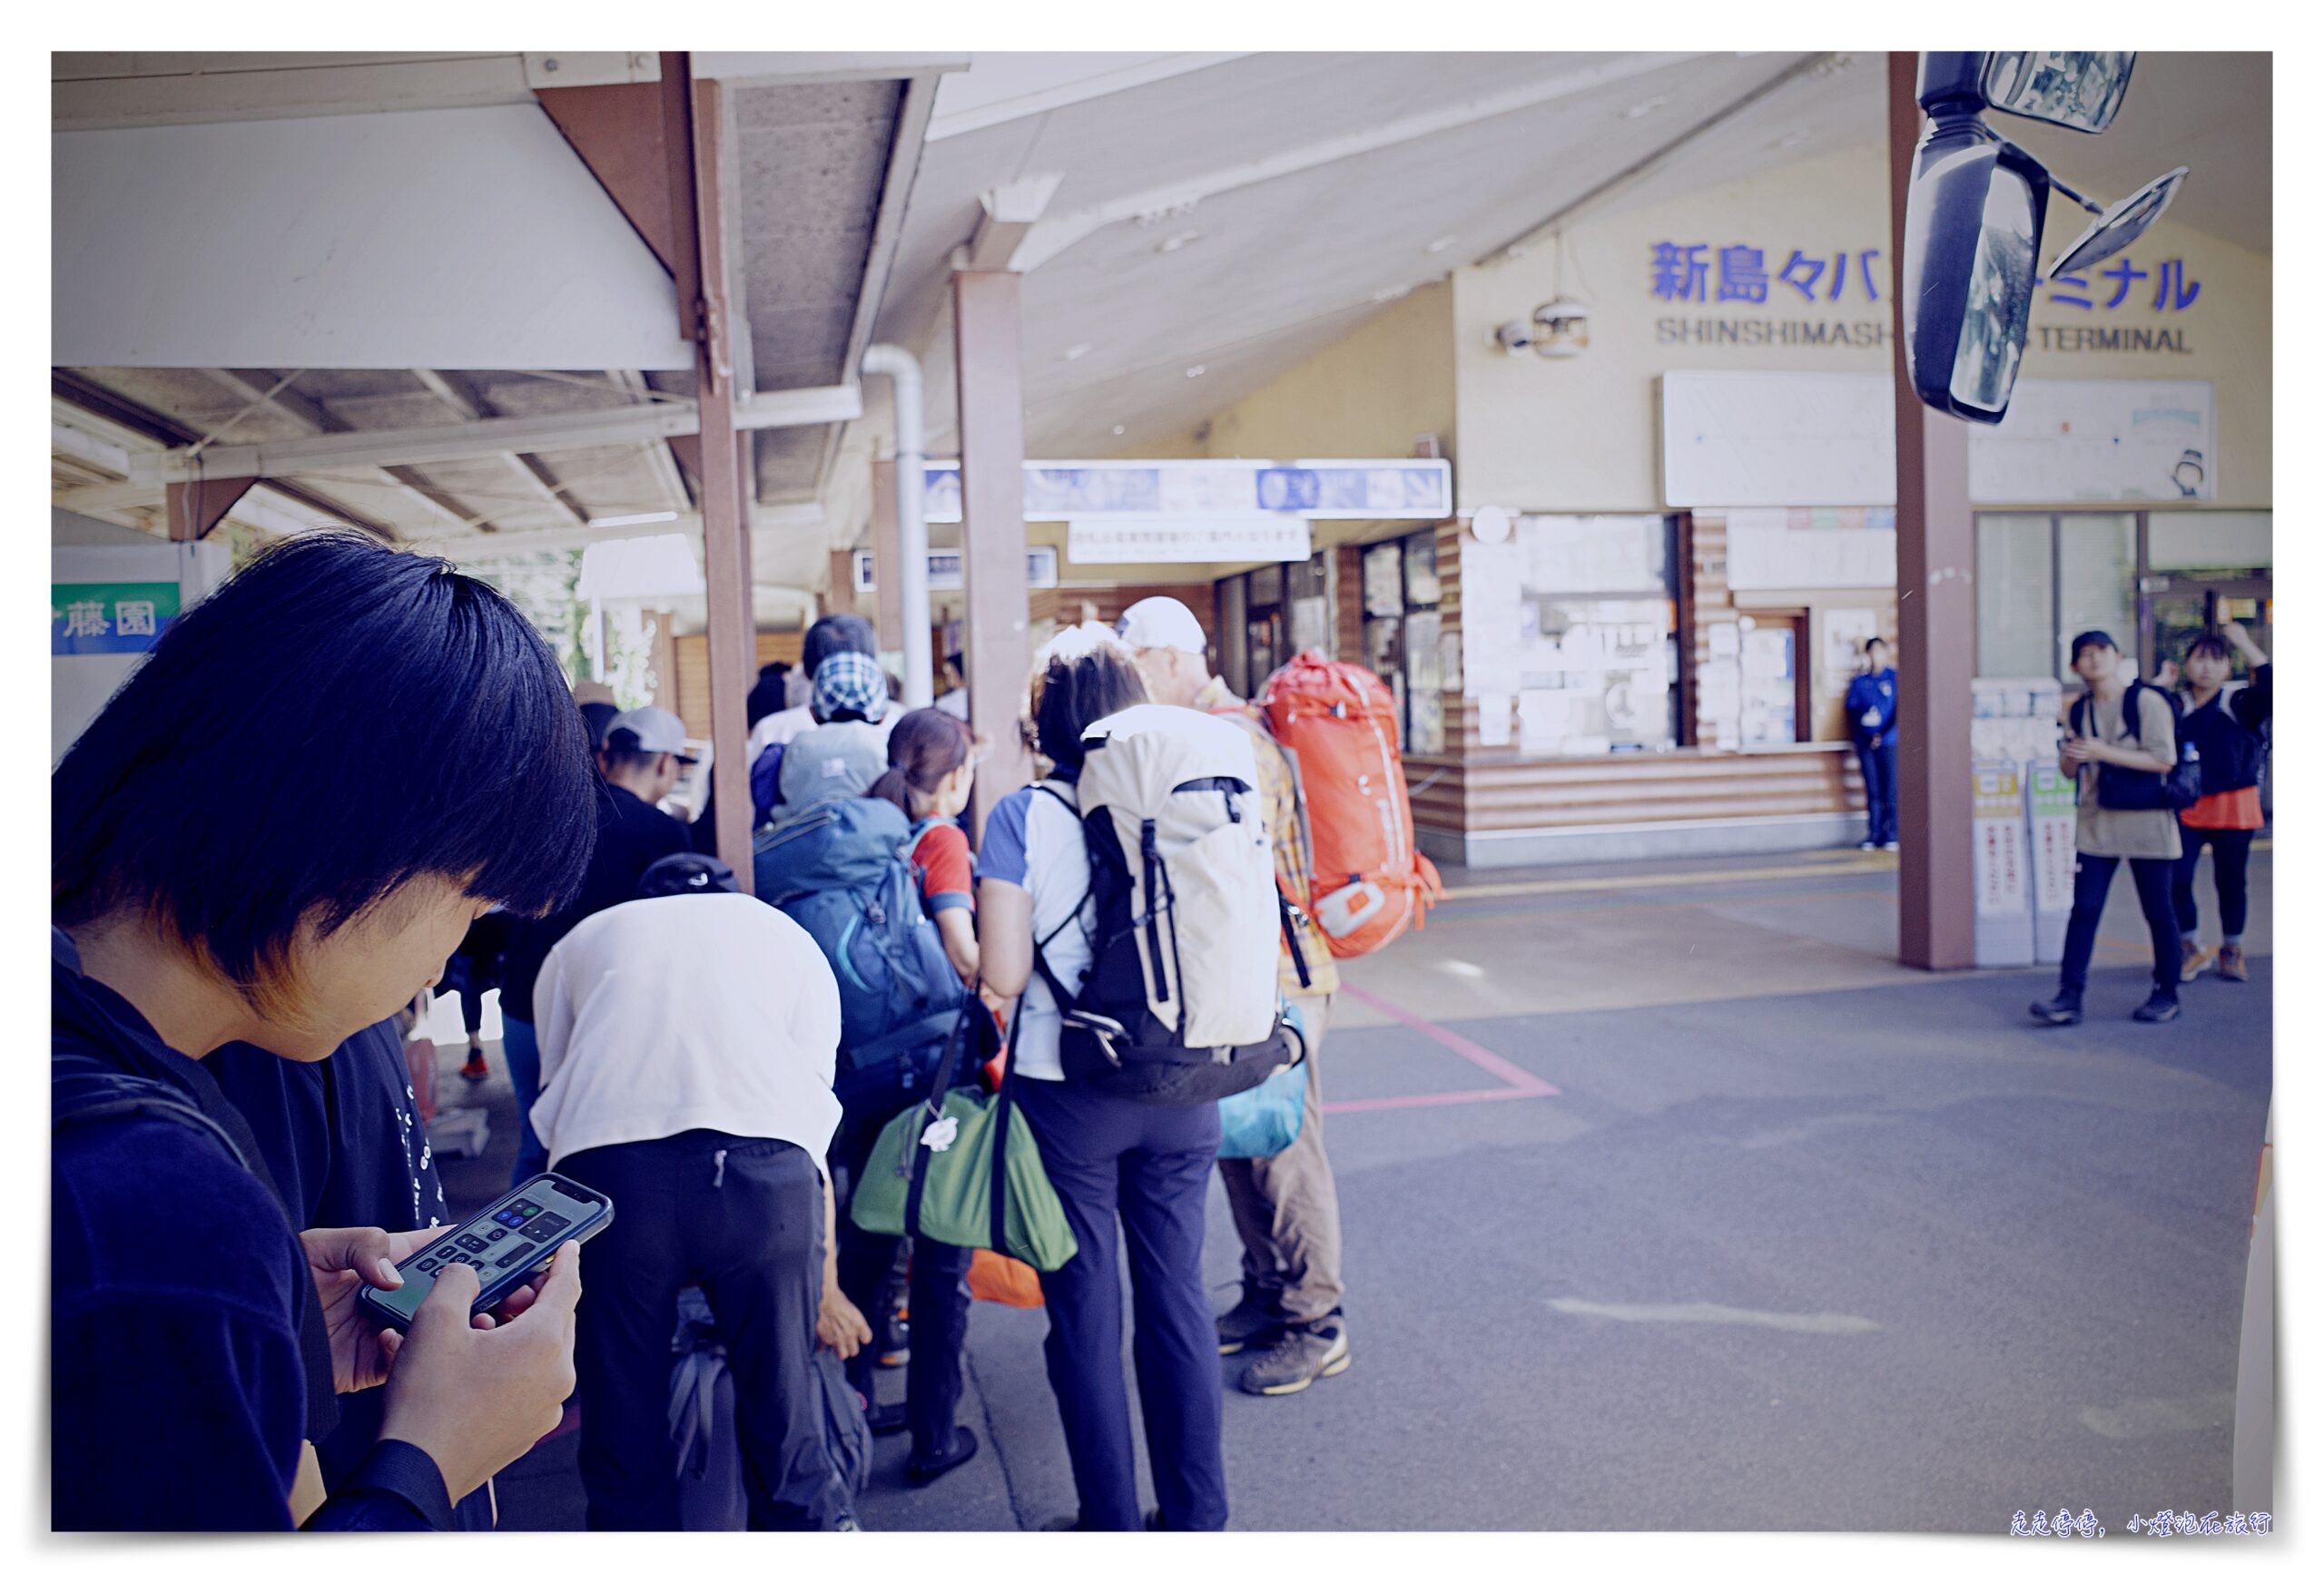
point(510, 1238)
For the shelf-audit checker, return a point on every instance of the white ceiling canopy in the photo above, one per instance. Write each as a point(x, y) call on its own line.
point(446, 238)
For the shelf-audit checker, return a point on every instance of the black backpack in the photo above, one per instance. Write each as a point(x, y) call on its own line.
point(2144, 790)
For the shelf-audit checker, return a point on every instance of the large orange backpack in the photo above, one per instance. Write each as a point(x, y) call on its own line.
point(1339, 721)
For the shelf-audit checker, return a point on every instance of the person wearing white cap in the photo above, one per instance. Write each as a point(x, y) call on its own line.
point(1286, 1205)
point(645, 751)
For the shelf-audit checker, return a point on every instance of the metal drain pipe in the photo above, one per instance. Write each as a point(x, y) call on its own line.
point(902, 370)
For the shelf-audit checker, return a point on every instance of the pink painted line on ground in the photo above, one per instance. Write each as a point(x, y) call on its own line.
point(1416, 1101)
point(1508, 1071)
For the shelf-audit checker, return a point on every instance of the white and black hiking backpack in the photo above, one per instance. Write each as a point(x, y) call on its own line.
point(1180, 1004)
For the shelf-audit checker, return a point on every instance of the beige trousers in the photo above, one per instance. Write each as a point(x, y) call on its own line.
point(1287, 1207)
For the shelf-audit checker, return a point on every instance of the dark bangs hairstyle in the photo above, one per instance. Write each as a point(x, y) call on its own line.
point(2211, 645)
point(925, 746)
point(335, 720)
point(1076, 693)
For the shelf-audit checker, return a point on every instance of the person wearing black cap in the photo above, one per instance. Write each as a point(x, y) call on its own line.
point(2129, 727)
point(688, 1041)
point(643, 753)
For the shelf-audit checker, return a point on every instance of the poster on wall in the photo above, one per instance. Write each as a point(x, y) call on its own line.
point(1794, 547)
point(2098, 439)
point(1311, 626)
point(1845, 632)
point(1384, 581)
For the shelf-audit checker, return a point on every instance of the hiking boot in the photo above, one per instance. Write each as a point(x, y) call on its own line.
point(2058, 1013)
point(2159, 1007)
point(1302, 1355)
point(2233, 966)
point(963, 1447)
point(1254, 1321)
point(475, 1070)
point(2194, 957)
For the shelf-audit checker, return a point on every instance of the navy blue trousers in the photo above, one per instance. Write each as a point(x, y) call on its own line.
point(1879, 766)
point(1138, 1174)
point(2091, 878)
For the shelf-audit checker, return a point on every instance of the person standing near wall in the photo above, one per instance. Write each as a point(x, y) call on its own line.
point(1872, 725)
point(2127, 727)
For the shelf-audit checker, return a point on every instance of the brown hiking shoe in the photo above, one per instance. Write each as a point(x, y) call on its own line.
point(2193, 959)
point(2231, 964)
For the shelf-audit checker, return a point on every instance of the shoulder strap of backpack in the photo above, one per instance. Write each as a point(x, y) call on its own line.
point(135, 1096)
point(932, 1109)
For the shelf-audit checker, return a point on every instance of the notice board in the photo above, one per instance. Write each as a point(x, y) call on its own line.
point(1750, 438)
point(2098, 439)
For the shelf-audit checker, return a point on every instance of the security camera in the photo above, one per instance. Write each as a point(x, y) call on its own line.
point(1561, 329)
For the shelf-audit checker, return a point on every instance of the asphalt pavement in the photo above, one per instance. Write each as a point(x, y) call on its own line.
point(1673, 1202)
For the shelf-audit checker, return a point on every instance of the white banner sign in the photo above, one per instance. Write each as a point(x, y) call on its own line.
point(1223, 539)
point(944, 569)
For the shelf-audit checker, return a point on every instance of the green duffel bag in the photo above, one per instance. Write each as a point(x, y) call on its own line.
point(986, 1189)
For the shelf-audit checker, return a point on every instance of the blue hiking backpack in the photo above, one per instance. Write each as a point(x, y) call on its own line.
point(841, 870)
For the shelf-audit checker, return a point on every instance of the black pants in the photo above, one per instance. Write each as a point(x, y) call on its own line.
point(2231, 867)
point(939, 1296)
point(744, 1219)
point(1879, 767)
point(2091, 878)
point(1141, 1174)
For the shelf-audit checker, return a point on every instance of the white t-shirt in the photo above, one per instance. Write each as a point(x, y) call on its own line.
point(785, 724)
point(661, 1016)
point(1034, 841)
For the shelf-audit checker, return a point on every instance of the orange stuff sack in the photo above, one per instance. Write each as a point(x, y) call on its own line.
point(1338, 721)
point(997, 1278)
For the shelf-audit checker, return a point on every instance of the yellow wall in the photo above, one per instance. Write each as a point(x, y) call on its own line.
point(1582, 434)
point(1368, 394)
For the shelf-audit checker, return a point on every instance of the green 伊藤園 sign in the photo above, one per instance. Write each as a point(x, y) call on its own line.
point(109, 618)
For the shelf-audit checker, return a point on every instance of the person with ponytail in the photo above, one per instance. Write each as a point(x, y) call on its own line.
point(930, 766)
point(931, 762)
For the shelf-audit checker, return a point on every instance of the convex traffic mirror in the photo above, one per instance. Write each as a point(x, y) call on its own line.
point(1975, 212)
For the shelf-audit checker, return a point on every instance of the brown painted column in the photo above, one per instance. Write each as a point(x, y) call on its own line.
point(842, 597)
point(1936, 620)
point(887, 535)
point(691, 112)
point(987, 352)
point(201, 504)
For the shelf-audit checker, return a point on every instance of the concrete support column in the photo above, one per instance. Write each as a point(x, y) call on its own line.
point(692, 120)
point(987, 352)
point(1936, 620)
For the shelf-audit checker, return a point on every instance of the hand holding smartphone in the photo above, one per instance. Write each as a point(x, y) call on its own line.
point(505, 1245)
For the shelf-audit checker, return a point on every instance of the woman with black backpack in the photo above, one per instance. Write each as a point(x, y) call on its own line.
point(1123, 1171)
point(2224, 728)
point(2123, 744)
